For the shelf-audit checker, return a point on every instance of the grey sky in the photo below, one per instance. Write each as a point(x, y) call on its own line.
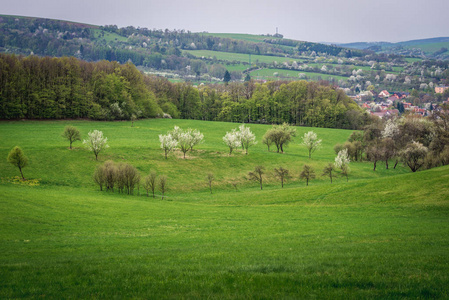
point(312, 20)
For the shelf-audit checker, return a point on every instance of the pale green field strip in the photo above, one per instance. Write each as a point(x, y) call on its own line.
point(269, 74)
point(239, 56)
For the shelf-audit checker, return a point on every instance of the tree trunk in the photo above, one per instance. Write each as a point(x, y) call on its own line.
point(396, 163)
point(21, 173)
point(375, 162)
point(386, 163)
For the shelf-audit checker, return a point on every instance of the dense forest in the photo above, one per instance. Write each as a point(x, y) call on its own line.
point(55, 88)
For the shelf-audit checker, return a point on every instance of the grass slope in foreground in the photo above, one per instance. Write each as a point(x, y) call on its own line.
point(349, 240)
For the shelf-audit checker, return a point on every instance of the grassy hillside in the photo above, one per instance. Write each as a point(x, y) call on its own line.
point(139, 146)
point(383, 234)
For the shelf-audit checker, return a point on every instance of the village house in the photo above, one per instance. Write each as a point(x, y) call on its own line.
point(384, 94)
point(440, 89)
point(385, 113)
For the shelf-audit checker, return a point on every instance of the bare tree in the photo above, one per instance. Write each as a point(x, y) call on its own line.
point(163, 185)
point(131, 178)
point(99, 177)
point(281, 174)
point(257, 175)
point(150, 182)
point(328, 171)
point(308, 173)
point(110, 174)
point(210, 178)
point(374, 154)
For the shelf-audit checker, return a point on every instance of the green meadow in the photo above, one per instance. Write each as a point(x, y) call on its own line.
point(268, 74)
point(240, 36)
point(382, 234)
point(239, 57)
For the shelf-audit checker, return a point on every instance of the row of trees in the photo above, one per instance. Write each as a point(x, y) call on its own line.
point(240, 138)
point(125, 178)
point(307, 173)
point(178, 137)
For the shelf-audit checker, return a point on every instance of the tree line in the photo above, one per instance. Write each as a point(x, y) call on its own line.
point(420, 143)
point(56, 88)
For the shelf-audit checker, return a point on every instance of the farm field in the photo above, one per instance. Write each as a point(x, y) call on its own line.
point(240, 57)
point(239, 36)
point(381, 234)
point(430, 47)
point(268, 74)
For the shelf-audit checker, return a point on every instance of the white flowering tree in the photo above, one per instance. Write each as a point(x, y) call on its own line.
point(196, 137)
point(311, 141)
point(232, 140)
point(342, 162)
point(96, 142)
point(391, 129)
point(186, 139)
point(247, 138)
point(168, 143)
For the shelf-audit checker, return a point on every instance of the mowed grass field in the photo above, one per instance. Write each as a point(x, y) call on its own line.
point(268, 74)
point(239, 57)
point(382, 234)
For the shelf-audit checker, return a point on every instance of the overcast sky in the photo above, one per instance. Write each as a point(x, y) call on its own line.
point(312, 20)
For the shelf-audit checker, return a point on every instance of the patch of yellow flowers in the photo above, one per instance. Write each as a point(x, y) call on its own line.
point(18, 180)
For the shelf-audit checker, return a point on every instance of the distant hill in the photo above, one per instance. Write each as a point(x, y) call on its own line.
point(431, 48)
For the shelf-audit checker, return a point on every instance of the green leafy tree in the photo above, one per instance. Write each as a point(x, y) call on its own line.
point(227, 77)
point(72, 134)
point(17, 158)
point(280, 135)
